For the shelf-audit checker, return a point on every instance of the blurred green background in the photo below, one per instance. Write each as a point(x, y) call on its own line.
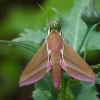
point(15, 16)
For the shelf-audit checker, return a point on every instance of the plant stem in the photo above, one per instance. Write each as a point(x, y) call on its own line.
point(86, 46)
point(84, 38)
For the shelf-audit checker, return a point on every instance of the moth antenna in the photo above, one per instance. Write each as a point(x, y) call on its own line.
point(47, 20)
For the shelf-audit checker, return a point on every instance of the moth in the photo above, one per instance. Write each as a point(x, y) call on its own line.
point(55, 55)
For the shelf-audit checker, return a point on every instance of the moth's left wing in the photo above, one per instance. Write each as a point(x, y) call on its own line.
point(36, 69)
point(76, 66)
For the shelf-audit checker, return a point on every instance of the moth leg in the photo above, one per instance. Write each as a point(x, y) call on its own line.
point(62, 62)
point(49, 63)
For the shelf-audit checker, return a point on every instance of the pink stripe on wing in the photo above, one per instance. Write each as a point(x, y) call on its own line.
point(30, 81)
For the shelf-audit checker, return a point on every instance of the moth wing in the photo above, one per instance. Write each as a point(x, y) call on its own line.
point(36, 69)
point(76, 66)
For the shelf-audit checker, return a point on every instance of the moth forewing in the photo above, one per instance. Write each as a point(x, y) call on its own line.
point(76, 66)
point(36, 69)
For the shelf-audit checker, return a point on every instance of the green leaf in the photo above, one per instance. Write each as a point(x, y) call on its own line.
point(66, 92)
point(75, 29)
point(69, 92)
point(41, 95)
point(98, 78)
point(62, 94)
point(86, 92)
point(31, 36)
point(94, 38)
point(28, 46)
point(45, 86)
point(96, 66)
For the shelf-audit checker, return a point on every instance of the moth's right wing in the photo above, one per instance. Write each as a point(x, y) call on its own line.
point(76, 66)
point(36, 69)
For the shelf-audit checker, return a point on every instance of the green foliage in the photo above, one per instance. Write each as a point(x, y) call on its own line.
point(65, 89)
point(87, 92)
point(28, 37)
point(43, 95)
point(98, 77)
point(25, 45)
point(73, 30)
point(45, 89)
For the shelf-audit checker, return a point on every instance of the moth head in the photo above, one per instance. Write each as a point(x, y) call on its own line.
point(54, 25)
